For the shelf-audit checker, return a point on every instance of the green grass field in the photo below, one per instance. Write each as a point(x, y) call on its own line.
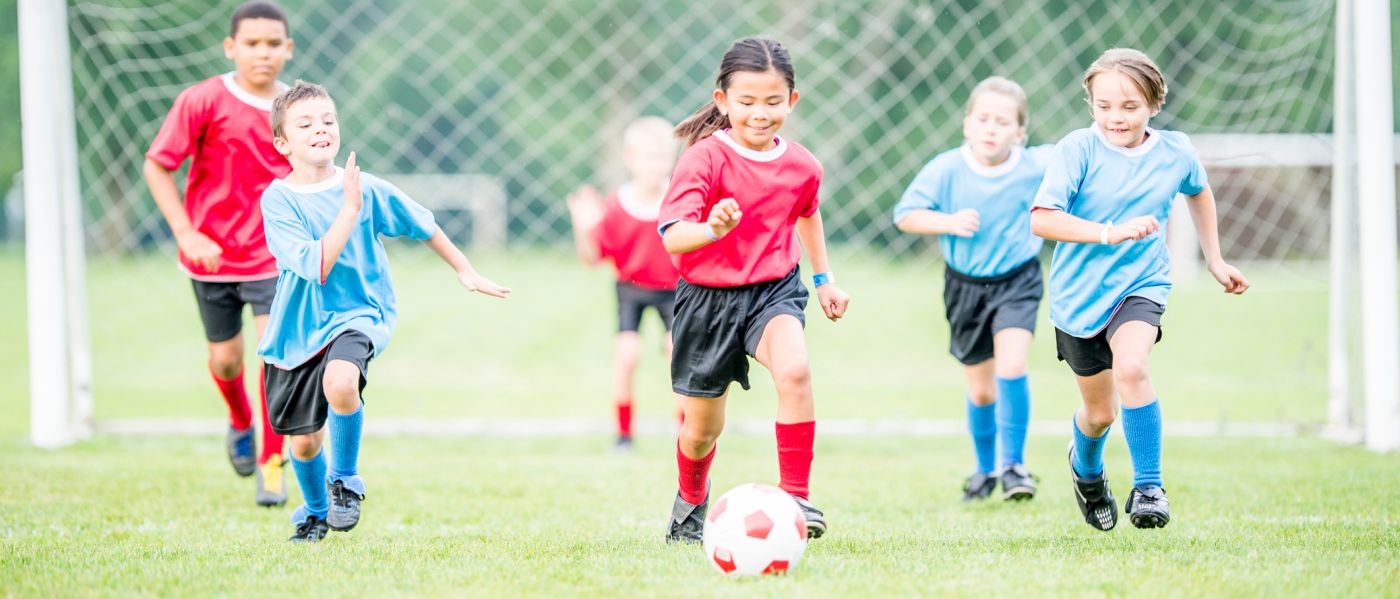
point(560, 516)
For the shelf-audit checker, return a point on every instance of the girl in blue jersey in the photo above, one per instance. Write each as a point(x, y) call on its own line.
point(1107, 189)
point(978, 197)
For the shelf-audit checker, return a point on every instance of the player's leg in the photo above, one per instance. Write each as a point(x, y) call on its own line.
point(221, 312)
point(1013, 411)
point(626, 350)
point(782, 349)
point(1091, 359)
point(341, 384)
point(1142, 422)
point(309, 464)
point(270, 486)
point(981, 424)
point(695, 451)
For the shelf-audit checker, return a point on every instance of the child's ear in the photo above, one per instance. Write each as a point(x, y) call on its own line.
point(228, 48)
point(281, 144)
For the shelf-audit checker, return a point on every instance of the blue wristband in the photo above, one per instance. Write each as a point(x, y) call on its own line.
point(823, 278)
point(711, 234)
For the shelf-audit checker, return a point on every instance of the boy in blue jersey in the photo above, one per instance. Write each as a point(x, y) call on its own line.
point(1107, 189)
point(978, 197)
point(334, 307)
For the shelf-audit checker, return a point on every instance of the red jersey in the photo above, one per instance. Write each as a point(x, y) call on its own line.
point(627, 236)
point(773, 188)
point(227, 131)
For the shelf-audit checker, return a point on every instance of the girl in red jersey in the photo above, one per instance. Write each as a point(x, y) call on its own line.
point(737, 195)
point(622, 229)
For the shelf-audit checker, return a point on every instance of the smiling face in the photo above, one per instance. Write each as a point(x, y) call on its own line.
point(757, 104)
point(258, 50)
point(992, 127)
point(1120, 108)
point(310, 133)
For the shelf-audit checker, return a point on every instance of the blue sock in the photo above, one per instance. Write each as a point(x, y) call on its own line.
point(1088, 452)
point(1013, 416)
point(345, 443)
point(1142, 427)
point(311, 475)
point(981, 421)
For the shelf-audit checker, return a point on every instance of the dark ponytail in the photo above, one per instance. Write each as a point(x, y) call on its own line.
point(750, 55)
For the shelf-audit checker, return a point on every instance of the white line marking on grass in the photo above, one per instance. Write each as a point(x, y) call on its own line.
point(577, 427)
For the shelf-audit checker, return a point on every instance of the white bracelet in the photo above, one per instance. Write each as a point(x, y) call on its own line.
point(1103, 235)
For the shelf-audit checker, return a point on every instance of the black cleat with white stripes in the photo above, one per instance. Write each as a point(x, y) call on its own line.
point(1094, 497)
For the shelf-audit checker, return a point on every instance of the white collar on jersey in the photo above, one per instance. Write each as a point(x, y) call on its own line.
point(1005, 167)
point(247, 97)
point(1152, 137)
point(764, 156)
point(627, 198)
point(316, 187)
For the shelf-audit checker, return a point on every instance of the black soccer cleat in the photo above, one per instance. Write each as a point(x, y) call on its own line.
point(1017, 483)
point(1147, 507)
point(687, 521)
point(623, 444)
point(240, 450)
point(979, 486)
point(1094, 497)
point(816, 521)
point(345, 507)
point(311, 530)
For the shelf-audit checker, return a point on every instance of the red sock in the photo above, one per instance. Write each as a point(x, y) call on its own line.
point(795, 456)
point(694, 475)
point(240, 412)
point(624, 418)
point(272, 442)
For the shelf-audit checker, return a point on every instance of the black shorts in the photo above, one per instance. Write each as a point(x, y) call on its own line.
point(1088, 357)
point(633, 300)
point(718, 328)
point(295, 403)
point(221, 305)
point(980, 307)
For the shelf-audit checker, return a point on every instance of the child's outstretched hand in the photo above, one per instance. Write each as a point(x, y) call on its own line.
point(353, 199)
point(1134, 229)
point(585, 207)
point(833, 300)
point(964, 223)
point(1230, 278)
point(724, 217)
point(476, 283)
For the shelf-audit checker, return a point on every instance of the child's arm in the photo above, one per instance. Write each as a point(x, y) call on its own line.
point(922, 221)
point(334, 240)
point(585, 212)
point(196, 246)
point(1058, 225)
point(684, 236)
point(466, 275)
point(813, 236)
point(1202, 206)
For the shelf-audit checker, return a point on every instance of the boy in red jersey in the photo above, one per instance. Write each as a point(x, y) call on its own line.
point(222, 124)
point(739, 199)
point(622, 229)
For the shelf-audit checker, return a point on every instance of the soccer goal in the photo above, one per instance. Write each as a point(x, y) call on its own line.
point(498, 109)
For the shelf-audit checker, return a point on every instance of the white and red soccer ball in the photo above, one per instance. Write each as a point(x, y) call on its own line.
point(755, 529)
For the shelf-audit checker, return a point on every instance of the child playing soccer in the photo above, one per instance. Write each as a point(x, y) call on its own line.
point(222, 122)
point(1107, 189)
point(978, 197)
point(334, 309)
point(737, 195)
point(622, 229)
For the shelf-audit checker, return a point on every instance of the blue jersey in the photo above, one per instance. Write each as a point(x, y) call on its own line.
point(1000, 194)
point(1093, 180)
point(308, 312)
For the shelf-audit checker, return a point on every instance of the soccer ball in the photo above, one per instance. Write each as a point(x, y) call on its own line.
point(755, 529)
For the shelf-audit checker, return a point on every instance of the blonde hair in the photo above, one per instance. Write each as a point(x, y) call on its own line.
point(1134, 65)
point(1001, 85)
point(647, 133)
point(299, 91)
